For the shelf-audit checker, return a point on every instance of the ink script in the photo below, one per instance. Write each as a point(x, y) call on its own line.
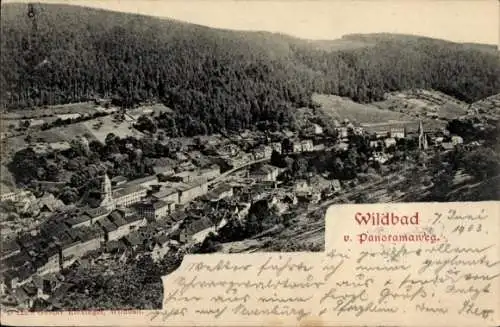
point(453, 279)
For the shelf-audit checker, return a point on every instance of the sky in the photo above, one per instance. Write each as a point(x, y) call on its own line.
point(459, 21)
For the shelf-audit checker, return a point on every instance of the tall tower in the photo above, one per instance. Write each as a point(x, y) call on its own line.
point(107, 194)
point(422, 139)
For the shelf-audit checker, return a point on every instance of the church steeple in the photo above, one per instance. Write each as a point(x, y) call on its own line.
point(422, 139)
point(107, 193)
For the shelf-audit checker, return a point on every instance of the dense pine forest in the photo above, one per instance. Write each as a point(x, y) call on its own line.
point(216, 78)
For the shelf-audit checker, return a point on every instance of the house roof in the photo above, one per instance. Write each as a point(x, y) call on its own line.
point(9, 246)
point(114, 245)
point(177, 216)
point(163, 170)
point(181, 156)
point(118, 179)
point(387, 126)
point(223, 188)
point(162, 239)
point(21, 295)
point(62, 238)
point(60, 145)
point(51, 250)
point(96, 212)
point(73, 234)
point(142, 180)
point(118, 220)
point(264, 170)
point(127, 190)
point(39, 261)
point(86, 234)
point(50, 202)
point(28, 241)
point(62, 290)
point(159, 204)
point(132, 218)
point(196, 224)
point(164, 193)
point(186, 173)
point(70, 244)
point(24, 273)
point(210, 169)
point(77, 220)
point(133, 239)
point(16, 260)
point(107, 225)
point(447, 145)
point(53, 229)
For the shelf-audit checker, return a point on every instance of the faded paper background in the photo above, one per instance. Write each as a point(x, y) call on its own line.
point(460, 21)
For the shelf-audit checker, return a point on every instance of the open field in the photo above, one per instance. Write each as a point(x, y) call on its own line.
point(121, 129)
point(56, 134)
point(154, 109)
point(489, 107)
point(72, 108)
point(342, 108)
point(423, 103)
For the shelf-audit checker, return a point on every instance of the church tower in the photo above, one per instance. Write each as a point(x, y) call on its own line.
point(422, 139)
point(107, 194)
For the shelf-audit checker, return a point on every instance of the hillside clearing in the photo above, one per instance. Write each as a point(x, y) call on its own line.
point(343, 108)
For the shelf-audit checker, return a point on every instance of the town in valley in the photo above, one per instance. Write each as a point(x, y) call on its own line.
point(101, 198)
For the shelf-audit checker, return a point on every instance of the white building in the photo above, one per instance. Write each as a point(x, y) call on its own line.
point(276, 146)
point(343, 132)
point(121, 197)
point(455, 140)
point(265, 173)
point(302, 187)
point(389, 142)
point(397, 133)
point(155, 210)
point(307, 145)
point(318, 130)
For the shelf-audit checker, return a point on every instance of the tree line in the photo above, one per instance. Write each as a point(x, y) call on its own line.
point(215, 79)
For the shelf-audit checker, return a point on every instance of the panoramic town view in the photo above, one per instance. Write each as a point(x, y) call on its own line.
point(130, 141)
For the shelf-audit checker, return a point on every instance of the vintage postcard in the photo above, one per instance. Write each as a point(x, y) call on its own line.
point(250, 163)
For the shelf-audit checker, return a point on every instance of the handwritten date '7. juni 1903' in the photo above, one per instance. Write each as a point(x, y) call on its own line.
point(409, 264)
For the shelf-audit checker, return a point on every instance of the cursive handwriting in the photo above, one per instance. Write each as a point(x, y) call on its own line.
point(472, 291)
point(392, 254)
point(440, 264)
point(422, 307)
point(219, 266)
point(470, 308)
point(279, 268)
point(453, 215)
point(394, 275)
point(410, 294)
point(167, 313)
point(276, 310)
point(216, 313)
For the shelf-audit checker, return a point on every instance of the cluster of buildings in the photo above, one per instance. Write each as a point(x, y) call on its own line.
point(386, 135)
point(26, 204)
point(126, 207)
point(287, 146)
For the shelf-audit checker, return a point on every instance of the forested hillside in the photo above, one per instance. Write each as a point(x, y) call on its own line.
point(217, 78)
